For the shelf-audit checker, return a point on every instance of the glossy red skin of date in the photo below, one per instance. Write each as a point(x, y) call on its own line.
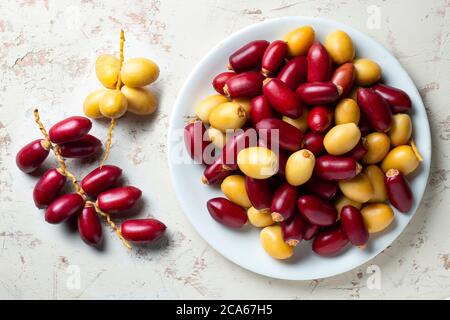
point(317, 211)
point(260, 109)
point(282, 98)
point(31, 156)
point(89, 226)
point(319, 119)
point(118, 199)
point(70, 129)
point(282, 160)
point(330, 241)
point(344, 77)
point(221, 79)
point(273, 57)
point(358, 152)
point(322, 188)
point(249, 56)
point(294, 72)
point(310, 230)
point(292, 230)
point(397, 99)
point(244, 85)
point(398, 190)
point(100, 179)
point(289, 137)
point(284, 200)
point(239, 141)
point(215, 172)
point(313, 141)
point(319, 63)
point(63, 207)
point(226, 212)
point(318, 93)
point(259, 192)
point(48, 187)
point(336, 168)
point(142, 230)
point(195, 141)
point(85, 147)
point(353, 225)
point(375, 109)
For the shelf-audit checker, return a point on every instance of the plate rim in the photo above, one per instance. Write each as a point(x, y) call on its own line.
point(236, 34)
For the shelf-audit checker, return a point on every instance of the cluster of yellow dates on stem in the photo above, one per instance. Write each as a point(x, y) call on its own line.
point(124, 87)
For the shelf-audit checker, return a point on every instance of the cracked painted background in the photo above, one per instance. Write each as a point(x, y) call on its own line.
point(47, 54)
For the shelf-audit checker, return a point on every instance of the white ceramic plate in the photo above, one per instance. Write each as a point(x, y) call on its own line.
point(242, 246)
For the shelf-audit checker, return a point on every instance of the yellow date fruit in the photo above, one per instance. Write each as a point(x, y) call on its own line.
point(376, 177)
point(271, 238)
point(107, 69)
point(233, 187)
point(299, 167)
point(258, 162)
point(377, 216)
point(226, 116)
point(402, 158)
point(358, 189)
point(139, 72)
point(204, 108)
point(342, 138)
point(340, 47)
point(113, 104)
point(299, 40)
point(141, 101)
point(377, 144)
point(347, 111)
point(367, 72)
point(258, 218)
point(401, 129)
point(91, 105)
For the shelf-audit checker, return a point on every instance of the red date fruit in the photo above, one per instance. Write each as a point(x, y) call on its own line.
point(310, 230)
point(195, 142)
point(226, 212)
point(118, 199)
point(344, 77)
point(292, 230)
point(398, 190)
point(70, 129)
point(353, 225)
point(221, 79)
point(283, 202)
point(260, 109)
point(31, 156)
point(142, 230)
point(282, 98)
point(322, 188)
point(249, 56)
point(318, 93)
point(294, 72)
point(289, 137)
point(259, 193)
point(375, 109)
point(100, 179)
point(313, 141)
point(358, 152)
point(215, 172)
point(397, 99)
point(48, 187)
point(244, 85)
point(319, 119)
point(63, 207)
point(316, 211)
point(89, 226)
point(85, 147)
point(330, 241)
point(335, 168)
point(319, 63)
point(273, 57)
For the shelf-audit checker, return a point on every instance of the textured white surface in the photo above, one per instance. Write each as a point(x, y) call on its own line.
point(47, 51)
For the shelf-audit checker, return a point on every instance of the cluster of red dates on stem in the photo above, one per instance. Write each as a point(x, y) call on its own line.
point(69, 138)
point(343, 144)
